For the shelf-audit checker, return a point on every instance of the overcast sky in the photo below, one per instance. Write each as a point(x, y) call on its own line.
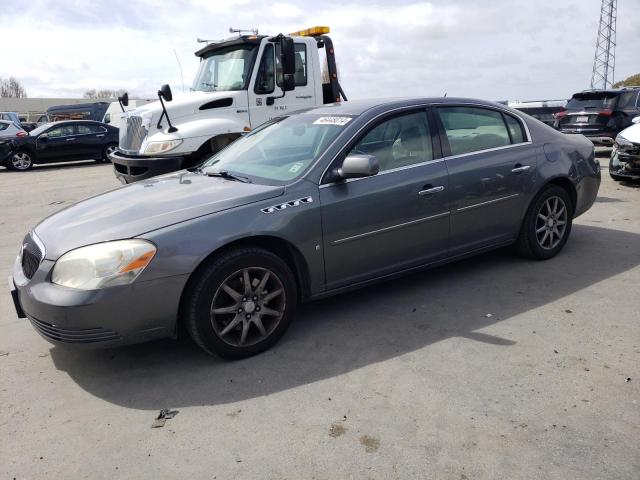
point(498, 49)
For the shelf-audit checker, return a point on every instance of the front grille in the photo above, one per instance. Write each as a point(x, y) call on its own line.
point(132, 134)
point(31, 256)
point(69, 335)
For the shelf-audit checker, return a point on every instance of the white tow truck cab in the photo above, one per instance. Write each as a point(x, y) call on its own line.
point(241, 83)
point(117, 111)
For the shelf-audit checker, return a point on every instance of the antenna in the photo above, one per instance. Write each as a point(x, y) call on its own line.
point(604, 62)
point(180, 67)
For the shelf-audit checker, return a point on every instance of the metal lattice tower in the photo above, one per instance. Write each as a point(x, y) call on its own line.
point(604, 63)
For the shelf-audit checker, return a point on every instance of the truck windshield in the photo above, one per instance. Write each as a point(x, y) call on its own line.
point(281, 151)
point(225, 70)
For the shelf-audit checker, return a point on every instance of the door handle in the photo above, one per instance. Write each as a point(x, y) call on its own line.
point(520, 168)
point(429, 190)
point(70, 139)
point(101, 135)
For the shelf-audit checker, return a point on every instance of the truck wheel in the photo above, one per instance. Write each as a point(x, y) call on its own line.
point(21, 160)
point(107, 151)
point(240, 303)
point(547, 224)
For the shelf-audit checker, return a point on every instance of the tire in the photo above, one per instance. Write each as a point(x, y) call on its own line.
point(247, 322)
point(541, 239)
point(110, 148)
point(21, 161)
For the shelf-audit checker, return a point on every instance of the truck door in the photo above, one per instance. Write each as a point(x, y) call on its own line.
point(265, 95)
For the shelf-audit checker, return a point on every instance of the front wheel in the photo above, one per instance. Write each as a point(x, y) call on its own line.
point(241, 303)
point(21, 161)
point(547, 224)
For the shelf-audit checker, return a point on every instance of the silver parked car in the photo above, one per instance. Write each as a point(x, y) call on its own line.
point(8, 129)
point(308, 205)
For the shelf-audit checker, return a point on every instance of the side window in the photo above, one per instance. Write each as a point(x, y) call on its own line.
point(64, 131)
point(3, 126)
point(515, 129)
point(265, 81)
point(627, 100)
point(398, 142)
point(301, 64)
point(471, 129)
point(300, 74)
point(84, 130)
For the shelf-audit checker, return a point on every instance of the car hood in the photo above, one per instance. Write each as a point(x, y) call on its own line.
point(631, 133)
point(148, 205)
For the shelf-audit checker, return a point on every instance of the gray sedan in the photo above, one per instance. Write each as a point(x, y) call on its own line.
point(308, 205)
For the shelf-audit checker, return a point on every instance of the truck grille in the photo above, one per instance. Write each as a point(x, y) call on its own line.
point(132, 134)
point(31, 256)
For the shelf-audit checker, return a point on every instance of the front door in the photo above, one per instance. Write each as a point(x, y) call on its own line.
point(391, 221)
point(58, 145)
point(265, 95)
point(490, 162)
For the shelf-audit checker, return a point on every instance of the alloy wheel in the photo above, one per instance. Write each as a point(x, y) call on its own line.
point(108, 152)
point(21, 161)
point(248, 306)
point(551, 222)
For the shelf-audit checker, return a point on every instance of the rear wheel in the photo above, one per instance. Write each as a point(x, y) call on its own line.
point(547, 224)
point(241, 303)
point(107, 151)
point(21, 160)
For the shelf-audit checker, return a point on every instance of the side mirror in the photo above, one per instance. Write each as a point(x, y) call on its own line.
point(287, 55)
point(358, 166)
point(165, 92)
point(123, 100)
point(635, 120)
point(43, 136)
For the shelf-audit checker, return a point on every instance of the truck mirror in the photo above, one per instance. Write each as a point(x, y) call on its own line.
point(165, 92)
point(124, 99)
point(288, 82)
point(288, 56)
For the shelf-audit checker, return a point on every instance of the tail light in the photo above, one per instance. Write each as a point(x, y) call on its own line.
point(606, 113)
point(560, 114)
point(21, 134)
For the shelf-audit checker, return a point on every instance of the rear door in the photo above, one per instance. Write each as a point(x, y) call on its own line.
point(396, 219)
point(491, 163)
point(90, 140)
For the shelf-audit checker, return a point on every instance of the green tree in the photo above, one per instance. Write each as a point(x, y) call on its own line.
point(633, 80)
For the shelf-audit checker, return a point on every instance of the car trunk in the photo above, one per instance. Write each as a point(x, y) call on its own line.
point(588, 111)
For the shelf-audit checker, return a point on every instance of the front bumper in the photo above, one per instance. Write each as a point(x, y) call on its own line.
point(109, 317)
point(129, 169)
point(624, 166)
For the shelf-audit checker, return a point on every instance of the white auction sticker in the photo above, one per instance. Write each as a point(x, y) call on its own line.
point(340, 121)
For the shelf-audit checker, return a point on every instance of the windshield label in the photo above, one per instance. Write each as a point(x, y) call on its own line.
point(296, 166)
point(340, 121)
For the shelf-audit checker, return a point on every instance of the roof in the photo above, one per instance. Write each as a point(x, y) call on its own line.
point(76, 106)
point(358, 107)
point(243, 40)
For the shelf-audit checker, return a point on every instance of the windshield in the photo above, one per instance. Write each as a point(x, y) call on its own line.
point(280, 151)
point(592, 100)
point(225, 70)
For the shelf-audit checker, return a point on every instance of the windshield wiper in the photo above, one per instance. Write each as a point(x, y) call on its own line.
point(226, 175)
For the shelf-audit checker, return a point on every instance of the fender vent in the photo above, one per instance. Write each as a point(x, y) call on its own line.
point(292, 203)
point(222, 102)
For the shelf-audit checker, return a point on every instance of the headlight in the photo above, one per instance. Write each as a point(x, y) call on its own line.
point(153, 148)
point(103, 264)
point(623, 142)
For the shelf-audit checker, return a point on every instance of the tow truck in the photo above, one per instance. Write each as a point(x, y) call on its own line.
point(242, 82)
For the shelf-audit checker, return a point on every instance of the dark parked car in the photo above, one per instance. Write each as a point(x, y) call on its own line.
point(63, 141)
point(305, 206)
point(600, 114)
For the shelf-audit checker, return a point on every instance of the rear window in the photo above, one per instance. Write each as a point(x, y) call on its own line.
point(592, 100)
point(3, 126)
point(472, 129)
